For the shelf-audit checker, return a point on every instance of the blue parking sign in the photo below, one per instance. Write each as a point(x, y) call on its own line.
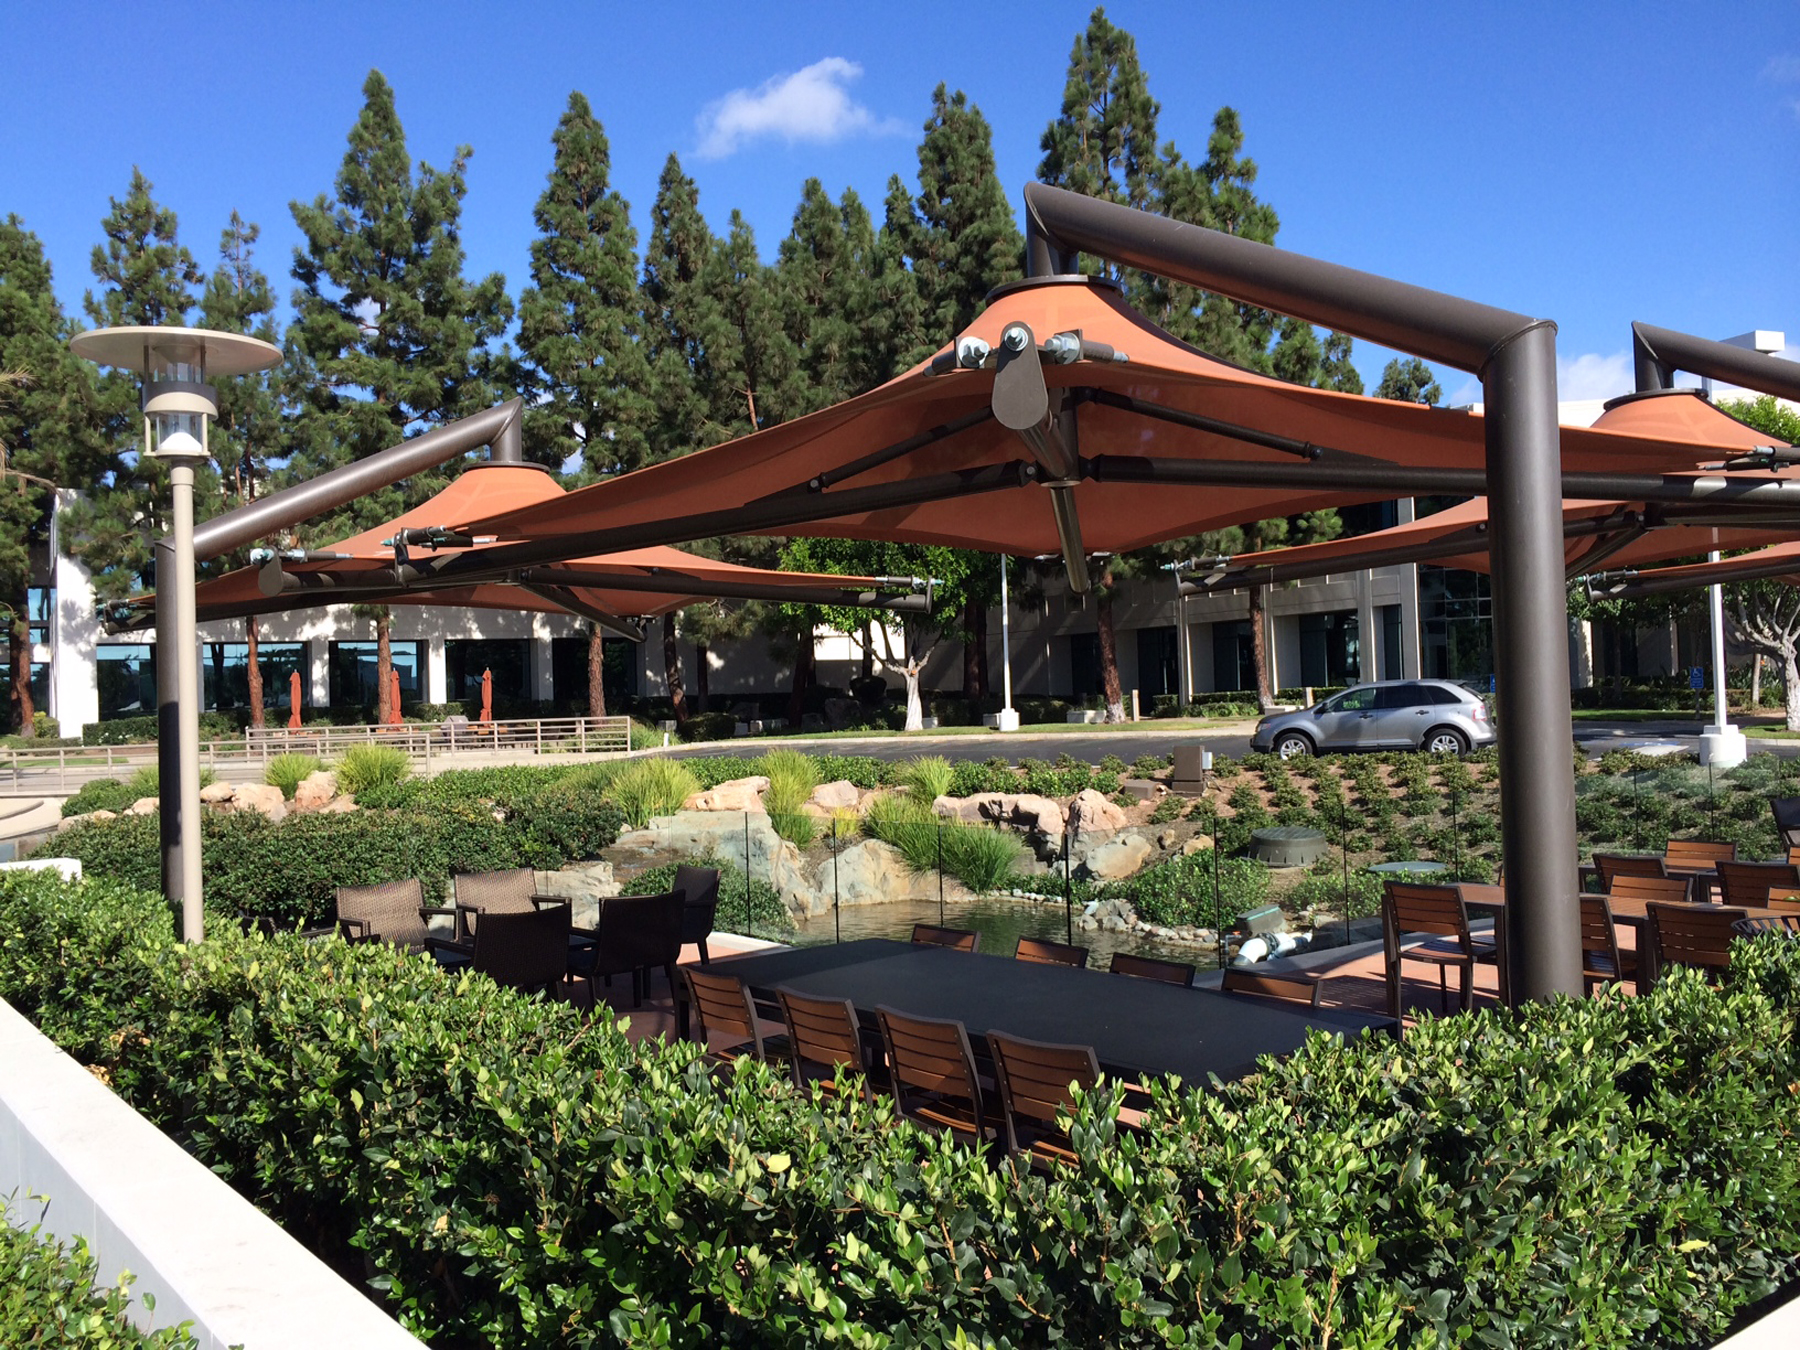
point(1696, 677)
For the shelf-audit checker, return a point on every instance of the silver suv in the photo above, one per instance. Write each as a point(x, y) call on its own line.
point(1433, 715)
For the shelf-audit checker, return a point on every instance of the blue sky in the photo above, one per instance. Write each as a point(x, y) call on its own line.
point(1591, 163)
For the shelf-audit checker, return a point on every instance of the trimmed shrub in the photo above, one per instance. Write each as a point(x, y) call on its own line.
point(99, 794)
point(1180, 891)
point(49, 1297)
point(288, 771)
point(651, 787)
point(367, 766)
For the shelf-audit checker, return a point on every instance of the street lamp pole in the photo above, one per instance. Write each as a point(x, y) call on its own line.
point(178, 407)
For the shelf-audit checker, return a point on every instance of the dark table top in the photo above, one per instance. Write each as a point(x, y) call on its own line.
point(1135, 1026)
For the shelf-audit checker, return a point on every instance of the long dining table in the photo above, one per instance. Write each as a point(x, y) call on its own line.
point(1136, 1027)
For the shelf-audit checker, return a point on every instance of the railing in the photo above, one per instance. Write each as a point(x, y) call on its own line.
point(60, 771)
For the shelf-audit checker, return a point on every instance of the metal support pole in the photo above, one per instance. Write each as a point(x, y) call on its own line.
point(187, 700)
point(1009, 719)
point(168, 725)
point(1531, 617)
point(1717, 599)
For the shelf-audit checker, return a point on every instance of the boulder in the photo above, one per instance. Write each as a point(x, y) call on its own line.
point(738, 794)
point(1020, 810)
point(315, 791)
point(1121, 856)
point(261, 797)
point(584, 886)
point(217, 794)
point(1198, 844)
point(1090, 813)
point(337, 806)
point(1166, 839)
point(143, 806)
point(698, 834)
point(835, 796)
point(871, 873)
point(67, 821)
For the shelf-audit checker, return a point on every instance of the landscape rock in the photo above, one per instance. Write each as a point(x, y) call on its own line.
point(1021, 810)
point(68, 822)
point(337, 806)
point(697, 834)
point(315, 791)
point(1198, 844)
point(870, 873)
point(143, 806)
point(216, 794)
point(1119, 857)
point(737, 794)
point(1091, 813)
point(1167, 839)
point(835, 796)
point(262, 797)
point(584, 886)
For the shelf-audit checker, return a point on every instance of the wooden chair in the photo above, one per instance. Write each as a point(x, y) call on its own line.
point(1698, 853)
point(1783, 898)
point(1601, 959)
point(1613, 865)
point(931, 1067)
point(957, 939)
point(727, 1010)
point(1283, 988)
point(823, 1033)
point(1692, 935)
point(1429, 924)
point(1660, 890)
point(699, 890)
point(1153, 968)
point(1034, 1081)
point(1046, 953)
point(1749, 883)
point(527, 951)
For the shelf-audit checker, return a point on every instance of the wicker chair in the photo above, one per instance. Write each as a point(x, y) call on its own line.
point(632, 935)
point(1035, 1081)
point(1046, 953)
point(1279, 988)
point(1786, 924)
point(932, 1069)
point(528, 950)
point(1153, 968)
point(699, 889)
point(824, 1034)
point(957, 939)
point(1787, 821)
point(1602, 961)
point(1692, 935)
point(393, 912)
point(511, 890)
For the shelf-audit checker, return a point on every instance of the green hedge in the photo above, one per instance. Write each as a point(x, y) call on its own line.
point(288, 872)
point(49, 1297)
point(1609, 1173)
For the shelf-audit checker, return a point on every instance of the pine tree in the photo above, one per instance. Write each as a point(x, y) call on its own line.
point(897, 338)
point(238, 299)
point(1409, 380)
point(826, 285)
point(749, 375)
point(49, 437)
point(388, 337)
point(146, 277)
point(584, 367)
point(679, 316)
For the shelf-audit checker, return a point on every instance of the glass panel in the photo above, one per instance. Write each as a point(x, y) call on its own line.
point(353, 673)
point(126, 675)
point(508, 658)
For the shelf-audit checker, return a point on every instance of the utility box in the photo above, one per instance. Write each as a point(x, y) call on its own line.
point(1192, 763)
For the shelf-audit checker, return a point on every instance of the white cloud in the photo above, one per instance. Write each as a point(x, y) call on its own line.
point(1591, 375)
point(812, 104)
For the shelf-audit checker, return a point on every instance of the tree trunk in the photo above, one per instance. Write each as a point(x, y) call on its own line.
point(672, 671)
point(702, 676)
point(1756, 682)
point(803, 675)
point(980, 630)
point(384, 663)
point(974, 653)
point(18, 656)
point(1790, 669)
point(1259, 651)
point(868, 651)
point(253, 672)
point(1109, 658)
point(597, 672)
point(915, 665)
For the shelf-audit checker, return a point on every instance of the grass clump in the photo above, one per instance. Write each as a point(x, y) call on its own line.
point(792, 777)
point(982, 858)
point(651, 787)
point(371, 766)
point(288, 771)
point(926, 777)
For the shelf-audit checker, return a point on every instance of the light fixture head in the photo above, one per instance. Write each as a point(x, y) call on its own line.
point(178, 445)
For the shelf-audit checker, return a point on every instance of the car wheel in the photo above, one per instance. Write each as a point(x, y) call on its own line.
point(1445, 741)
point(1293, 745)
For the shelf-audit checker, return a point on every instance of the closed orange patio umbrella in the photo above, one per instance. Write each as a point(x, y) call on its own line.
point(487, 695)
point(293, 700)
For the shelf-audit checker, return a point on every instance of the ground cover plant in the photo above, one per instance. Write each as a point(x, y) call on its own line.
point(1607, 1172)
point(50, 1295)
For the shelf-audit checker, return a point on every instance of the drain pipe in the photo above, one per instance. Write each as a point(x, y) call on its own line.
point(1515, 358)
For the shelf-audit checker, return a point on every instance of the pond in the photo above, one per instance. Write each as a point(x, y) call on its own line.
point(1001, 924)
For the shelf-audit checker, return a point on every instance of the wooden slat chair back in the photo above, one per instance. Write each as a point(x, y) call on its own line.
point(823, 1034)
point(957, 939)
point(1793, 853)
point(1783, 898)
point(932, 1069)
point(726, 1011)
point(1658, 890)
point(1698, 852)
point(1286, 988)
point(699, 889)
point(392, 912)
point(1047, 953)
point(1428, 923)
point(1034, 1079)
point(1749, 883)
point(1611, 866)
point(1691, 935)
point(1601, 959)
point(528, 950)
point(1153, 968)
point(509, 890)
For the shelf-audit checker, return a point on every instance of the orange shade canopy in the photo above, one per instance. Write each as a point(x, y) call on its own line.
point(926, 458)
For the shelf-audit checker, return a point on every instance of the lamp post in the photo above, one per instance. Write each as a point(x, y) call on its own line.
point(178, 405)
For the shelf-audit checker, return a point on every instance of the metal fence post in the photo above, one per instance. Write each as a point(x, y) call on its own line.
point(837, 899)
point(749, 898)
point(940, 870)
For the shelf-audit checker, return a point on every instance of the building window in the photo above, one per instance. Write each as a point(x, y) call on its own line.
point(569, 677)
point(508, 658)
point(1084, 664)
point(1368, 517)
point(1158, 670)
point(125, 673)
point(39, 605)
point(1456, 628)
point(353, 673)
point(1393, 663)
point(225, 674)
point(1330, 648)
point(1234, 658)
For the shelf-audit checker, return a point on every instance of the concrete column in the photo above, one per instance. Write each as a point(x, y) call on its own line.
point(318, 660)
point(1368, 632)
point(543, 670)
point(437, 671)
point(74, 635)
